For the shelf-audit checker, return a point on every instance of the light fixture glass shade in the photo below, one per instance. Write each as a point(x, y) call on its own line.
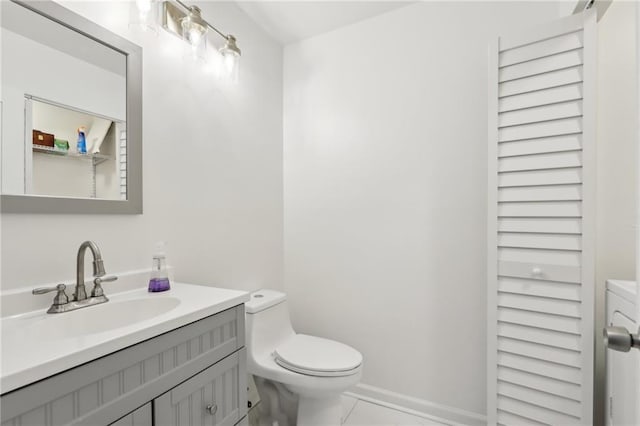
point(143, 15)
point(194, 30)
point(231, 59)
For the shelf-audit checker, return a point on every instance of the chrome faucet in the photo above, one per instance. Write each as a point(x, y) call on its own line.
point(61, 302)
point(98, 268)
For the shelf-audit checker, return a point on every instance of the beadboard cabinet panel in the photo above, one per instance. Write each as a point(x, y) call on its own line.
point(141, 417)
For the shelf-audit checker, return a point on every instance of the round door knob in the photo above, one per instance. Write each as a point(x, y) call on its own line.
point(618, 339)
point(212, 409)
point(536, 271)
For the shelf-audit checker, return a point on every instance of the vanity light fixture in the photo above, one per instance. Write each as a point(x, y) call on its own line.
point(187, 23)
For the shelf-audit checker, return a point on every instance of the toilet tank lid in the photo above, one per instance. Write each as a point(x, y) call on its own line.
point(263, 299)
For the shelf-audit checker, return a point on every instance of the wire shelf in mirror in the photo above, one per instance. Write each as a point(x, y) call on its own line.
point(97, 158)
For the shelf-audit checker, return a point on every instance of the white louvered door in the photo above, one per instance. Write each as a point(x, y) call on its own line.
point(541, 225)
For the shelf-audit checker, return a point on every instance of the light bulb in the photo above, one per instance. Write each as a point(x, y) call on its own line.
point(194, 37)
point(144, 7)
point(194, 29)
point(231, 66)
point(146, 15)
point(231, 59)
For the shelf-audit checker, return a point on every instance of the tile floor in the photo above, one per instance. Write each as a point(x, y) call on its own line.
point(356, 412)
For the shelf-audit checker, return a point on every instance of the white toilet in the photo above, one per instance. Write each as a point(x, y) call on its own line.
point(295, 369)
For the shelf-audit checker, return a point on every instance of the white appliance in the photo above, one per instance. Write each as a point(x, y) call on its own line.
point(299, 377)
point(622, 369)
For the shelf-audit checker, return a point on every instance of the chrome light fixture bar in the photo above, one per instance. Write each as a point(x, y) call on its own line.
point(187, 23)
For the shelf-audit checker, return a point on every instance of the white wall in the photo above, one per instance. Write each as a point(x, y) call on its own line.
point(385, 192)
point(212, 171)
point(616, 164)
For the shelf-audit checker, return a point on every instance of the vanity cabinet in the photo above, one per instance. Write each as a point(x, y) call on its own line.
point(195, 374)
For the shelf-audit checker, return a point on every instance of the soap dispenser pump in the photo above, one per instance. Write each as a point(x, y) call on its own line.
point(159, 280)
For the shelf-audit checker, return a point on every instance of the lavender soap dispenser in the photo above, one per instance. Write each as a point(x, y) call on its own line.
point(159, 280)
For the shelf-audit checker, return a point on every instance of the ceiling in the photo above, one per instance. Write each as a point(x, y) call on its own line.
point(291, 21)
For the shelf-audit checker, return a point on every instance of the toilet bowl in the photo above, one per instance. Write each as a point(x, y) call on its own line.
point(295, 369)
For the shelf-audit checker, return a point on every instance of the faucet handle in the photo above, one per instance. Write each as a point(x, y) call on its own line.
point(97, 288)
point(60, 299)
point(100, 280)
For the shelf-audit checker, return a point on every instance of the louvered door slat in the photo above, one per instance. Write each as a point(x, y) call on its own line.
point(548, 96)
point(546, 209)
point(523, 302)
point(540, 177)
point(541, 113)
point(545, 129)
point(559, 356)
point(536, 146)
point(542, 288)
point(527, 318)
point(540, 241)
point(540, 257)
point(539, 66)
point(547, 80)
point(508, 418)
point(542, 193)
point(545, 384)
point(536, 412)
point(540, 335)
point(539, 49)
point(542, 399)
point(542, 224)
point(543, 161)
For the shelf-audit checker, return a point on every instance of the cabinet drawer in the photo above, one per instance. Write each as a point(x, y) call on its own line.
point(561, 273)
point(214, 397)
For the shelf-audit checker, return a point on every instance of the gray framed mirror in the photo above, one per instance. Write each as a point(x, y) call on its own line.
point(70, 113)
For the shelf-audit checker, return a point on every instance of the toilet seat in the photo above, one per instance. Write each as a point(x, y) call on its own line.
point(315, 356)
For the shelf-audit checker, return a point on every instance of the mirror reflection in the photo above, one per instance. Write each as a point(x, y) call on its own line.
point(63, 110)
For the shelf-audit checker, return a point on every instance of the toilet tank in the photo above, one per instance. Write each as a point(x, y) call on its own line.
point(267, 322)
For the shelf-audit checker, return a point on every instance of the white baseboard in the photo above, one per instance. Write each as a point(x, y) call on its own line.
point(417, 407)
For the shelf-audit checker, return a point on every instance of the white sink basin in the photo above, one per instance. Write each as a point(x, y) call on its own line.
point(94, 319)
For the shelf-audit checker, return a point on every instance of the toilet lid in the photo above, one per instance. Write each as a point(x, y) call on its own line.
point(316, 356)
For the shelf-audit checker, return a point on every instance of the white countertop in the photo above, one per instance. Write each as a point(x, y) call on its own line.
point(30, 354)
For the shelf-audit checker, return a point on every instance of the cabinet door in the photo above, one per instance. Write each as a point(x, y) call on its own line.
point(216, 396)
point(140, 417)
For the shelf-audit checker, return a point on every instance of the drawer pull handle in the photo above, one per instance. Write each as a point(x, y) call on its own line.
point(536, 272)
point(212, 409)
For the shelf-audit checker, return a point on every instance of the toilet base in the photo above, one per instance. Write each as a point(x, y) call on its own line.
point(323, 411)
point(286, 405)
